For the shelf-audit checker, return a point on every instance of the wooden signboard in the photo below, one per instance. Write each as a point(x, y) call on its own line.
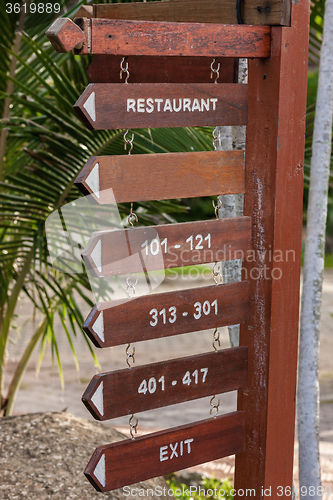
point(104, 106)
point(149, 38)
point(134, 250)
point(158, 69)
point(166, 383)
point(165, 314)
point(194, 11)
point(126, 462)
point(171, 175)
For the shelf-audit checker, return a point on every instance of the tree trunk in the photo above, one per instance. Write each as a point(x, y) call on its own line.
point(227, 138)
point(308, 385)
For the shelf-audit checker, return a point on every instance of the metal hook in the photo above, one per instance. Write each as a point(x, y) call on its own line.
point(128, 142)
point(133, 426)
point(217, 207)
point(130, 286)
point(217, 273)
point(128, 355)
point(216, 337)
point(214, 407)
point(213, 70)
point(124, 70)
point(132, 216)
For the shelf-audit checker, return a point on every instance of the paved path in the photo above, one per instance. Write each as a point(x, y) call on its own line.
point(44, 393)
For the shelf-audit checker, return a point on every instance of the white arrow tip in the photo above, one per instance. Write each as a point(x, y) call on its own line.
point(99, 471)
point(96, 255)
point(97, 399)
point(89, 106)
point(98, 326)
point(93, 180)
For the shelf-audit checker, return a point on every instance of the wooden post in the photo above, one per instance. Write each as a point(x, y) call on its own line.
point(273, 198)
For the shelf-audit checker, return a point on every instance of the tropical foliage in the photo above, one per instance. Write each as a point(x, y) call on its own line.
point(45, 145)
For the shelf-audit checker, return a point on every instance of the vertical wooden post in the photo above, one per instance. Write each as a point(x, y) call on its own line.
point(274, 196)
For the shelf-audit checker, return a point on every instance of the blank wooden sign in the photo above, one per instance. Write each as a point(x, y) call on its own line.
point(134, 250)
point(131, 461)
point(162, 176)
point(149, 38)
point(165, 314)
point(166, 383)
point(104, 106)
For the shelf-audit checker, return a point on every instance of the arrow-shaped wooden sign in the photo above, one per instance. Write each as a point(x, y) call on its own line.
point(104, 106)
point(134, 250)
point(166, 383)
point(131, 461)
point(165, 314)
point(149, 38)
point(162, 176)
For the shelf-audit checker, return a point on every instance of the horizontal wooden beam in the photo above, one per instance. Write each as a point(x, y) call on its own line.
point(271, 12)
point(162, 176)
point(133, 460)
point(150, 38)
point(158, 69)
point(166, 383)
point(165, 314)
point(104, 106)
point(138, 249)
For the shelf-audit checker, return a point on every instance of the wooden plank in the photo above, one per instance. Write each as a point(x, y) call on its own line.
point(166, 383)
point(104, 106)
point(162, 176)
point(133, 460)
point(165, 314)
point(274, 198)
point(134, 250)
point(272, 12)
point(85, 11)
point(149, 38)
point(144, 69)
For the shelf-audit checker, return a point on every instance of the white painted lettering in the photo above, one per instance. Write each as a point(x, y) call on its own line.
point(188, 442)
point(173, 449)
point(179, 107)
point(187, 104)
point(163, 453)
point(214, 101)
point(141, 105)
point(196, 105)
point(150, 105)
point(131, 105)
point(181, 448)
point(167, 105)
point(158, 101)
point(204, 104)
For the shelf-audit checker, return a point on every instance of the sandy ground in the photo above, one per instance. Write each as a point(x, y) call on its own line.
point(44, 393)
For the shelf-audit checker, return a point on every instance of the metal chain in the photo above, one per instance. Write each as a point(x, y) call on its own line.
point(213, 70)
point(216, 337)
point(214, 407)
point(124, 70)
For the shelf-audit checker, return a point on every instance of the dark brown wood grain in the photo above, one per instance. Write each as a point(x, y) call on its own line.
point(162, 176)
point(149, 38)
point(274, 198)
point(132, 320)
point(166, 246)
point(271, 12)
point(131, 461)
point(158, 69)
point(151, 105)
point(166, 383)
